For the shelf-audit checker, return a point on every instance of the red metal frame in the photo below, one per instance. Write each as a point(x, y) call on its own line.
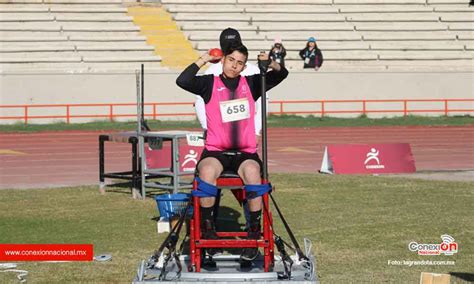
point(197, 243)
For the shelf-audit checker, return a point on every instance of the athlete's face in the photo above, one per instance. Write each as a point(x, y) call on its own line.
point(233, 64)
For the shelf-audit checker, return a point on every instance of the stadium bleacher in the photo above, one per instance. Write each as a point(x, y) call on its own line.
point(73, 36)
point(365, 35)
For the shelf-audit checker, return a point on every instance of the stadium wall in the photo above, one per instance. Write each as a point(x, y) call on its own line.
point(99, 88)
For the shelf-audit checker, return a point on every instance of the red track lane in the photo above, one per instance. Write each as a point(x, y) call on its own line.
point(54, 159)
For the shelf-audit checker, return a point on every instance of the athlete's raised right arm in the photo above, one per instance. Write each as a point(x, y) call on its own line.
point(199, 85)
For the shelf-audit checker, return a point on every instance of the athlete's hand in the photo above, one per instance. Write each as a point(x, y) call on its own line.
point(205, 58)
point(274, 65)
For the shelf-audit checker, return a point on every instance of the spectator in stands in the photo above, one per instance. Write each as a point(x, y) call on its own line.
point(231, 142)
point(278, 52)
point(311, 54)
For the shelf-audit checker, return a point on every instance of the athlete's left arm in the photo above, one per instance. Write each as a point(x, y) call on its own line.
point(273, 78)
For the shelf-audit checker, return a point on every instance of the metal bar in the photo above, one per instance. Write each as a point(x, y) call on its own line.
point(446, 107)
point(264, 126)
point(222, 243)
point(102, 138)
point(175, 163)
point(135, 172)
point(110, 115)
point(26, 114)
point(68, 119)
point(142, 77)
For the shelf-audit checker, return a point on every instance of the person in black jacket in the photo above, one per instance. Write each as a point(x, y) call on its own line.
point(311, 54)
point(278, 52)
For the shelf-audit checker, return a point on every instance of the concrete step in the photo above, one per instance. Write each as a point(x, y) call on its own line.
point(259, 18)
point(108, 38)
point(87, 9)
point(80, 67)
point(409, 36)
point(17, 2)
point(211, 26)
point(396, 45)
point(293, 45)
point(120, 57)
point(294, 9)
point(94, 17)
point(452, 8)
point(90, 27)
point(198, 2)
point(23, 8)
point(214, 36)
point(465, 35)
point(386, 65)
point(272, 2)
point(26, 17)
point(12, 36)
point(10, 47)
point(205, 9)
point(319, 35)
point(108, 2)
point(379, 2)
point(45, 57)
point(448, 2)
point(425, 55)
point(186, 17)
point(113, 46)
point(338, 55)
point(398, 27)
point(393, 17)
point(468, 18)
point(461, 26)
point(285, 36)
point(104, 34)
point(469, 45)
point(305, 27)
point(33, 27)
point(382, 9)
point(289, 18)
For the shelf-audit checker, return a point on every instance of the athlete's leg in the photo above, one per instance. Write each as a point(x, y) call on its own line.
point(249, 171)
point(209, 170)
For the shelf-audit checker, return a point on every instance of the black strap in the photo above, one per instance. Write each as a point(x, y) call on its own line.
point(170, 243)
point(280, 244)
point(286, 259)
point(290, 233)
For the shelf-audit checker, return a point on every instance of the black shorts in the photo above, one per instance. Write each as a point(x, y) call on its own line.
point(230, 160)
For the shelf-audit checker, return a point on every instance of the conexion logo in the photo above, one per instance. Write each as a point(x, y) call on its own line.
point(447, 247)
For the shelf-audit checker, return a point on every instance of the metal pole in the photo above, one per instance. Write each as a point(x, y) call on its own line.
point(263, 66)
point(141, 151)
point(142, 89)
point(264, 127)
point(139, 103)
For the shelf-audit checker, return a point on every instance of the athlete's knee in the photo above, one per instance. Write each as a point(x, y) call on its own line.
point(208, 173)
point(250, 172)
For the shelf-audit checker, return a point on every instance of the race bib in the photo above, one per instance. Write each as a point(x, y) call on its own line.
point(195, 139)
point(235, 110)
point(306, 60)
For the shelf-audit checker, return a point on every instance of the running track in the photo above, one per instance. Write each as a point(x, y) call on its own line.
point(55, 159)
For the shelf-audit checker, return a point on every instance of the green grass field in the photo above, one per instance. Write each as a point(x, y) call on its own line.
point(273, 121)
point(357, 224)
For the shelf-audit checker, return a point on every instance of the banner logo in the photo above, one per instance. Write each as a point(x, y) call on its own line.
point(448, 246)
point(373, 155)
